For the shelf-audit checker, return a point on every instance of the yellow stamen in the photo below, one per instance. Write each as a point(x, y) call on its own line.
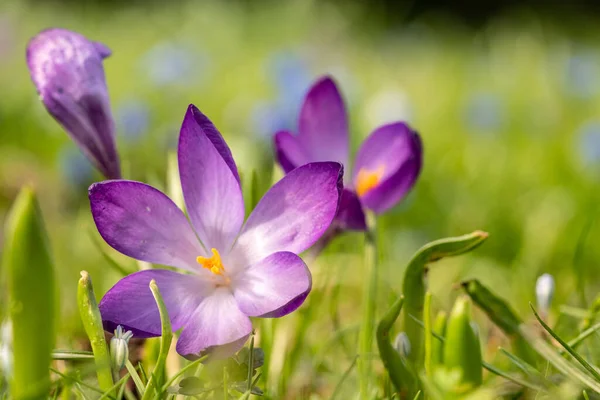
point(368, 179)
point(213, 264)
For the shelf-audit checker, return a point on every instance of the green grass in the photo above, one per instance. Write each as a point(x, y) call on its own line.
point(524, 182)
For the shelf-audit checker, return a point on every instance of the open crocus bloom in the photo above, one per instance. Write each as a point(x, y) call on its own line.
point(386, 166)
point(235, 270)
point(67, 71)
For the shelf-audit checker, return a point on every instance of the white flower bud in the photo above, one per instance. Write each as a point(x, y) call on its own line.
point(119, 349)
point(6, 348)
point(544, 291)
point(402, 344)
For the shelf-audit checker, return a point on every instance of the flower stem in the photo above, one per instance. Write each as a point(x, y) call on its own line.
point(365, 338)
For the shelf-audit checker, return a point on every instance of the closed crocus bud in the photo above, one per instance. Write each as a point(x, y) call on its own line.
point(119, 348)
point(402, 344)
point(544, 291)
point(67, 71)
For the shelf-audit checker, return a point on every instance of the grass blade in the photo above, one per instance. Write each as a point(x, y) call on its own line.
point(67, 355)
point(428, 337)
point(592, 370)
point(581, 337)
point(182, 371)
point(117, 385)
point(111, 262)
point(549, 353)
point(154, 383)
point(139, 385)
point(365, 335)
point(338, 387)
point(513, 378)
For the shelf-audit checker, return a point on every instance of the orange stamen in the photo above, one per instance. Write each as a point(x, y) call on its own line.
point(213, 264)
point(368, 179)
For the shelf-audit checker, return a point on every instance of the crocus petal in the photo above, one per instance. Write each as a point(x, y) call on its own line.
point(292, 215)
point(143, 223)
point(216, 322)
point(323, 123)
point(396, 152)
point(67, 71)
point(209, 180)
point(289, 151)
point(130, 302)
point(271, 285)
point(350, 214)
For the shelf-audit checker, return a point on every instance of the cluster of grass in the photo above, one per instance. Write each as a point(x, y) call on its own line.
point(508, 119)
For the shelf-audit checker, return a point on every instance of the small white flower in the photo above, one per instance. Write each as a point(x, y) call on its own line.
point(119, 349)
point(402, 344)
point(6, 361)
point(544, 291)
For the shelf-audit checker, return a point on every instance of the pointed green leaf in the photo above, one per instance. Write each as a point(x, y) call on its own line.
point(31, 297)
point(401, 376)
point(437, 348)
point(501, 314)
point(92, 322)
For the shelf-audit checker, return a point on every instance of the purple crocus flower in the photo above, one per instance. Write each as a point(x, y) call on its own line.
point(235, 270)
point(67, 71)
point(386, 166)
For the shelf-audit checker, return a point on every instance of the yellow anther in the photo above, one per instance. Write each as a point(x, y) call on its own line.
point(368, 179)
point(213, 264)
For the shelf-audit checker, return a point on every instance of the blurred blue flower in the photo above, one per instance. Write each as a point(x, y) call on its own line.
point(484, 111)
point(582, 73)
point(76, 169)
point(133, 119)
point(267, 119)
point(589, 142)
point(291, 75)
point(292, 79)
point(169, 63)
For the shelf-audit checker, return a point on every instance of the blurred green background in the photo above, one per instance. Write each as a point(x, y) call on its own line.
point(508, 112)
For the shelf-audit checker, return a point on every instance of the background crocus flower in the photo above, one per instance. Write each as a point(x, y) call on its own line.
point(235, 270)
point(386, 166)
point(67, 71)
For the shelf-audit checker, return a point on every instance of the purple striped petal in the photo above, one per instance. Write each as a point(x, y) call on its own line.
point(292, 215)
point(350, 214)
point(216, 322)
point(210, 183)
point(393, 153)
point(141, 222)
point(130, 302)
point(323, 123)
point(289, 151)
point(67, 71)
point(272, 285)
